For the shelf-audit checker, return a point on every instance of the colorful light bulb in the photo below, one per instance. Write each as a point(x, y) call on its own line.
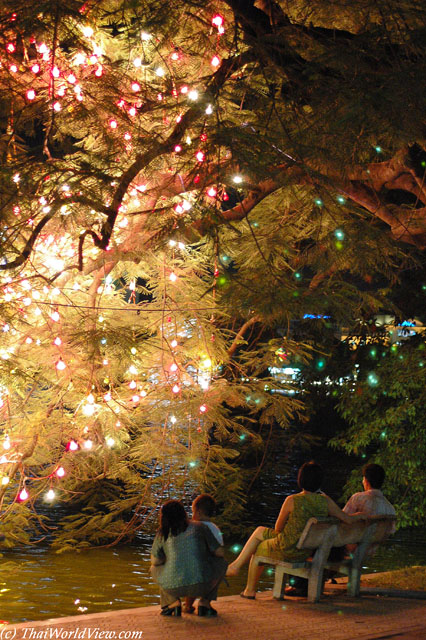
point(23, 495)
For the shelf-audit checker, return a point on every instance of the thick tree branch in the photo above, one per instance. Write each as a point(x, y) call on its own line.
point(237, 340)
point(29, 245)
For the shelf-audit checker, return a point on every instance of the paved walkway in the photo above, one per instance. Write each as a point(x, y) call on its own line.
point(336, 617)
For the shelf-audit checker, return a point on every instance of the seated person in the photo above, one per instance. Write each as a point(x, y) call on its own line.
point(281, 541)
point(372, 502)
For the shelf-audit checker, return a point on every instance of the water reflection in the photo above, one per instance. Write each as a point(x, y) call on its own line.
point(46, 585)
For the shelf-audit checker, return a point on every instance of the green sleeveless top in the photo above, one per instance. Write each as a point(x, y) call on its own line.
point(307, 505)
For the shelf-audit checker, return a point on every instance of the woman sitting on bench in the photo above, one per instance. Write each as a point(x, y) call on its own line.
point(280, 542)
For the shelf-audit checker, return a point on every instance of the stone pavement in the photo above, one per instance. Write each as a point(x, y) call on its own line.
point(336, 617)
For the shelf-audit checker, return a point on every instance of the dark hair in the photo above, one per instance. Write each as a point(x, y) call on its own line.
point(375, 474)
point(310, 476)
point(173, 519)
point(206, 504)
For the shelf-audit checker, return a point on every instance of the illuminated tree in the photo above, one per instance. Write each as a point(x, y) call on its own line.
point(180, 181)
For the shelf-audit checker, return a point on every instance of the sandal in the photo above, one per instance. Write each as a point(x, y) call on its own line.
point(175, 610)
point(207, 612)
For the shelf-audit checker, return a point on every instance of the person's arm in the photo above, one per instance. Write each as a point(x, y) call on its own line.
point(155, 562)
point(285, 511)
point(350, 507)
point(334, 510)
point(213, 544)
point(157, 553)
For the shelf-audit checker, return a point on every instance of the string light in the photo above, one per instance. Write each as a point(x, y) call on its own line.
point(23, 495)
point(60, 365)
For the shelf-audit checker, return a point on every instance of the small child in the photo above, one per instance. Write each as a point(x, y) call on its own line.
point(203, 508)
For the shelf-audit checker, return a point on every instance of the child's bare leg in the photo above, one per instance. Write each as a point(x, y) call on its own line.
point(189, 604)
point(247, 551)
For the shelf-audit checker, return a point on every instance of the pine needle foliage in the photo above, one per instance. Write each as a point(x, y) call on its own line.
point(180, 183)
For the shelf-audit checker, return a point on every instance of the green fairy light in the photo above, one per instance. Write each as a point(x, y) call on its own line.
point(319, 202)
point(341, 199)
point(243, 436)
point(339, 234)
point(320, 364)
point(373, 352)
point(383, 435)
point(298, 275)
point(236, 548)
point(378, 149)
point(372, 379)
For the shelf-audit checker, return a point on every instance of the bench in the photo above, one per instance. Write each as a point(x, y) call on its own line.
point(319, 536)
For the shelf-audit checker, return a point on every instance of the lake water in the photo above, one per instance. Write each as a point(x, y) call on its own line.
point(44, 585)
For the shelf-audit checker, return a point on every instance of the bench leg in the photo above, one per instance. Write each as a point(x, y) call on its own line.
point(315, 585)
point(354, 582)
point(317, 566)
point(279, 583)
point(357, 562)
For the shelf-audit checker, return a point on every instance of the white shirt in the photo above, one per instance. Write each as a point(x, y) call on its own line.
point(372, 502)
point(215, 530)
